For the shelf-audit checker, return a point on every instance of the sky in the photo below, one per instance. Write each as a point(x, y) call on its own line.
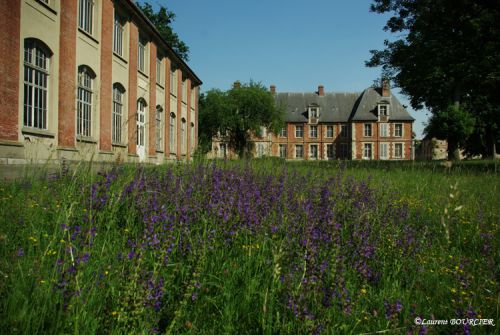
point(295, 45)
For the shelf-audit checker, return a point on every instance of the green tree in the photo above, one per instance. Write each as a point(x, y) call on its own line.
point(455, 124)
point(447, 53)
point(162, 20)
point(238, 114)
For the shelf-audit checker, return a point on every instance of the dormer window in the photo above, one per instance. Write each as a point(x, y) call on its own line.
point(383, 112)
point(313, 114)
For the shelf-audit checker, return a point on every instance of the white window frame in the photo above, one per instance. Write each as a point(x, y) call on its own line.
point(383, 110)
point(384, 129)
point(314, 154)
point(183, 136)
point(402, 154)
point(260, 150)
point(329, 131)
point(384, 150)
point(117, 117)
point(283, 132)
point(184, 90)
point(368, 148)
point(141, 129)
point(313, 112)
point(367, 130)
point(84, 110)
point(36, 85)
point(159, 128)
point(313, 131)
point(192, 136)
point(159, 71)
point(141, 55)
point(283, 150)
point(395, 130)
point(299, 131)
point(193, 95)
point(118, 36)
point(222, 150)
point(86, 16)
point(173, 81)
point(297, 147)
point(172, 133)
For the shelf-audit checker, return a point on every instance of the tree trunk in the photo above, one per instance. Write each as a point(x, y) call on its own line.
point(453, 150)
point(493, 145)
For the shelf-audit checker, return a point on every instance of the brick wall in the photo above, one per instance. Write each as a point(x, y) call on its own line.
point(179, 113)
point(152, 100)
point(132, 84)
point(10, 12)
point(188, 121)
point(167, 107)
point(106, 75)
point(67, 74)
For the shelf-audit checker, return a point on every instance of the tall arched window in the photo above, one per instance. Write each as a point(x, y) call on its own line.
point(159, 128)
point(36, 84)
point(141, 122)
point(183, 136)
point(192, 136)
point(117, 117)
point(172, 133)
point(84, 101)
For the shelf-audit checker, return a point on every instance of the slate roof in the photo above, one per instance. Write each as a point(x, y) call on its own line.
point(340, 107)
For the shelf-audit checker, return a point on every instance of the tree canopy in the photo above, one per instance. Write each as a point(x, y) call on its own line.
point(237, 114)
point(163, 19)
point(447, 54)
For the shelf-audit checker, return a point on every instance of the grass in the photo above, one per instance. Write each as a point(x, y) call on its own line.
point(261, 247)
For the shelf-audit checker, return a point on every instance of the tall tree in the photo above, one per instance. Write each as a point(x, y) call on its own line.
point(238, 114)
point(162, 20)
point(448, 52)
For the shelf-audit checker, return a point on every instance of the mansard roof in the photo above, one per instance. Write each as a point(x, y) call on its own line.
point(367, 107)
point(340, 107)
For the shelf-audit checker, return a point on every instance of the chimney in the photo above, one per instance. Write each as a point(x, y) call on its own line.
point(237, 84)
point(386, 88)
point(321, 91)
point(272, 89)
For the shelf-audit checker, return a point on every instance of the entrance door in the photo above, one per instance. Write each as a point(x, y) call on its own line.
point(141, 129)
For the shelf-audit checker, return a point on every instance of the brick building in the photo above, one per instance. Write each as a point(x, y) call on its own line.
point(91, 79)
point(323, 126)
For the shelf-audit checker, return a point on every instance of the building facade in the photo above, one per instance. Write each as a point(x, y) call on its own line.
point(372, 125)
point(91, 80)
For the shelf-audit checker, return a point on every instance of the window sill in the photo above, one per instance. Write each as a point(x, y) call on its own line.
point(120, 145)
point(160, 85)
point(88, 35)
point(37, 132)
point(143, 73)
point(120, 57)
point(47, 6)
point(85, 139)
point(160, 151)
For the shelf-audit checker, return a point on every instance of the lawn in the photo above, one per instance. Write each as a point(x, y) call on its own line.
point(258, 247)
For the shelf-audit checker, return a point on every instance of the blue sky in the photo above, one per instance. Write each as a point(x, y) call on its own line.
point(293, 44)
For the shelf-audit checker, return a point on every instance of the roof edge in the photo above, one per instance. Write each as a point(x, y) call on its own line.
point(142, 16)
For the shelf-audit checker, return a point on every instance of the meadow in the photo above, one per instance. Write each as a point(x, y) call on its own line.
point(257, 247)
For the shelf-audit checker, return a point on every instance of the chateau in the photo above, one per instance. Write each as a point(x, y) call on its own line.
point(371, 125)
point(91, 80)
